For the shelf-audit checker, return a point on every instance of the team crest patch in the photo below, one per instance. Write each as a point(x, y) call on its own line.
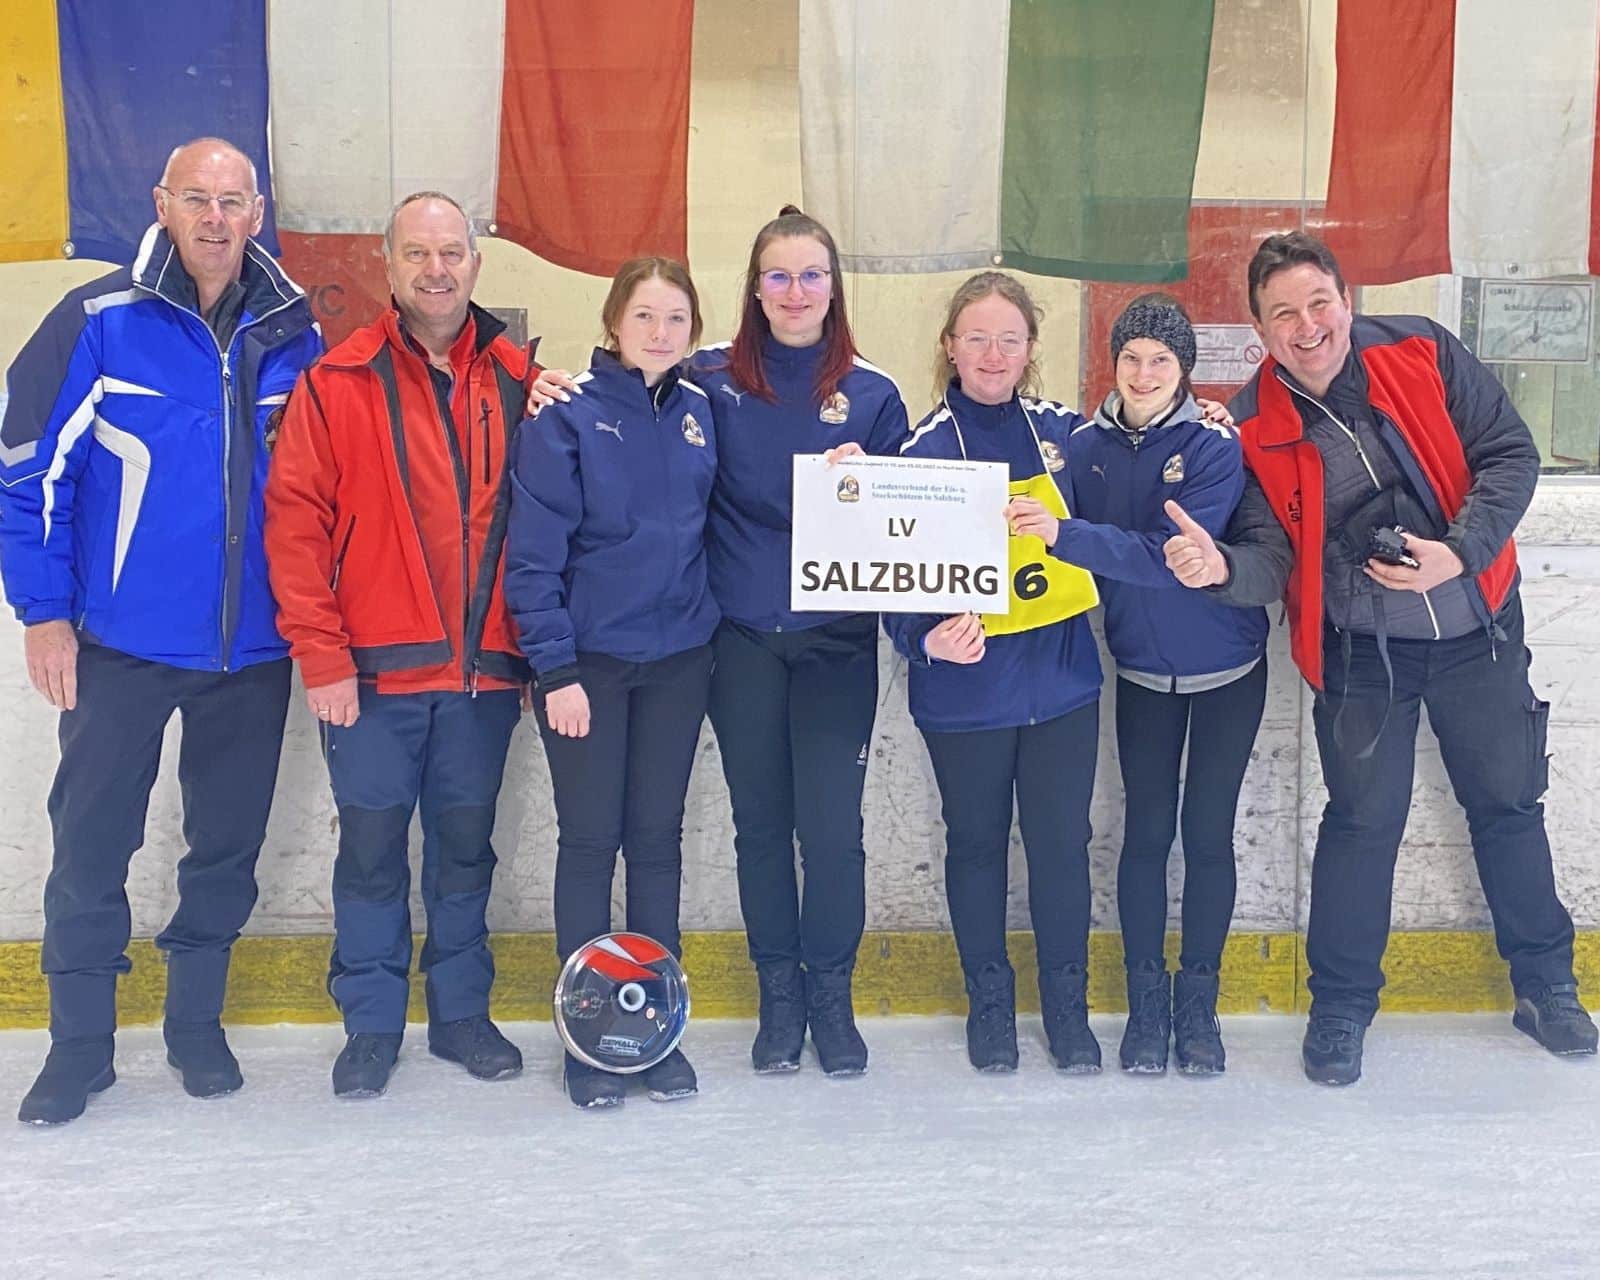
point(269, 434)
point(835, 409)
point(1173, 471)
point(849, 490)
point(692, 432)
point(1051, 453)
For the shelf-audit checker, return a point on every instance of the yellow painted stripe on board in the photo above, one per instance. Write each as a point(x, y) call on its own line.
point(278, 979)
point(33, 134)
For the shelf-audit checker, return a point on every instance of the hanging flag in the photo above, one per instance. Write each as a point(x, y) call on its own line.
point(1464, 140)
point(561, 126)
point(96, 96)
point(1056, 136)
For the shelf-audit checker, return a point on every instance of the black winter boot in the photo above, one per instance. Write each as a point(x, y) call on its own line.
point(1064, 1002)
point(364, 1065)
point(1553, 1017)
point(781, 1033)
point(476, 1044)
point(589, 1087)
point(72, 1071)
point(1196, 1033)
point(1145, 1038)
point(201, 1055)
point(671, 1078)
point(840, 1048)
point(992, 1018)
point(1331, 1053)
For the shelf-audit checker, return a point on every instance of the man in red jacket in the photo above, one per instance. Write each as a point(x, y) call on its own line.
point(385, 514)
point(1386, 472)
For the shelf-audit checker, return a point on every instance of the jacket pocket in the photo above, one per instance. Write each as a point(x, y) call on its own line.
point(342, 542)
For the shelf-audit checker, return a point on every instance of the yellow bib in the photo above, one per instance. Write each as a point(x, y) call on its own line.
point(1043, 588)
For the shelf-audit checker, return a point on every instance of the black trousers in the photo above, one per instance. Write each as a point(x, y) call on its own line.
point(793, 713)
point(1050, 769)
point(1220, 725)
point(1491, 729)
point(110, 751)
point(622, 786)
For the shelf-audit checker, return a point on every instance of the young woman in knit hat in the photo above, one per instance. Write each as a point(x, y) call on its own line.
point(1187, 667)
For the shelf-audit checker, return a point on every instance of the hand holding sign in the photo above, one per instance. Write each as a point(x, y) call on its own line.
point(1028, 515)
point(1192, 555)
point(958, 639)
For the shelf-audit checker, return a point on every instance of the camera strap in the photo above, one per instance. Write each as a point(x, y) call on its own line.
point(1380, 627)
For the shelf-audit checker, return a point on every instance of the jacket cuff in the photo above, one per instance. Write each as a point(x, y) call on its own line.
point(557, 678)
point(45, 611)
point(326, 668)
point(1456, 540)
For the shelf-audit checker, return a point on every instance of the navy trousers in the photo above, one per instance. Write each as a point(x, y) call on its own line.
point(1049, 769)
point(793, 712)
point(1491, 730)
point(110, 752)
point(444, 753)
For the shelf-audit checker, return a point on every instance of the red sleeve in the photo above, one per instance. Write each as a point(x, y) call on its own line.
point(302, 532)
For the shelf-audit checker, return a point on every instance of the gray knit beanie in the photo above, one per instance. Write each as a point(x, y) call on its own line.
point(1164, 324)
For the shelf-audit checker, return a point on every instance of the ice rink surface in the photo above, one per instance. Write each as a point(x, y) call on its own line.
point(1465, 1152)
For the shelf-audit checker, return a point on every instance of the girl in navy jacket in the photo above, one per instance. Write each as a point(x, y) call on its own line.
point(606, 579)
point(1187, 666)
point(1012, 713)
point(794, 694)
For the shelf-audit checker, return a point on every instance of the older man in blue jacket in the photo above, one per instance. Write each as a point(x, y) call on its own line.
point(133, 454)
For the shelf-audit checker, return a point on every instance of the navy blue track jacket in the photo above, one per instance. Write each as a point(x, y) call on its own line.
point(605, 551)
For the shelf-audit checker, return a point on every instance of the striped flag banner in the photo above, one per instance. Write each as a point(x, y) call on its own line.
point(1055, 136)
point(96, 95)
point(1464, 139)
point(561, 125)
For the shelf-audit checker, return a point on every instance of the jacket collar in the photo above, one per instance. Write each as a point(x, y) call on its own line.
point(609, 371)
point(158, 268)
point(365, 343)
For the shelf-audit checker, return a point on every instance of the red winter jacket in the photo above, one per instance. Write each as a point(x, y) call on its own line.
point(1450, 427)
point(386, 512)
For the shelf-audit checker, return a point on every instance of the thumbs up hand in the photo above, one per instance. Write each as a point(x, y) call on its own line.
point(1192, 554)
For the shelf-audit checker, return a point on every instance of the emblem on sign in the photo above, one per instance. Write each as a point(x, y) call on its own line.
point(1173, 471)
point(835, 409)
point(849, 490)
point(1051, 453)
point(692, 432)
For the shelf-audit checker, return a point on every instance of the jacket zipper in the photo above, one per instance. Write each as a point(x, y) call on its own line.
point(344, 550)
point(1373, 476)
point(463, 475)
point(227, 445)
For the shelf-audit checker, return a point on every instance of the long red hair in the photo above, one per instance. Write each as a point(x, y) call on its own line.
point(839, 344)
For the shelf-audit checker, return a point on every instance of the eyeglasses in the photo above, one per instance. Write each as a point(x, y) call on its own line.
point(232, 204)
point(812, 280)
point(1010, 344)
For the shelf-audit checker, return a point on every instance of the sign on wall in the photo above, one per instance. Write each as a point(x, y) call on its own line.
point(1536, 321)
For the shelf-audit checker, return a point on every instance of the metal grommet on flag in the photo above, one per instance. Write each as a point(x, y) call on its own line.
point(621, 1003)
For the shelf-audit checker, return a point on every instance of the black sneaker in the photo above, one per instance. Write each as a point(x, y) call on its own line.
point(363, 1066)
point(589, 1087)
point(1331, 1053)
point(1553, 1017)
point(671, 1078)
point(73, 1069)
point(199, 1051)
point(1146, 1038)
point(476, 1044)
point(1196, 1033)
point(782, 1030)
point(840, 1048)
point(992, 1018)
point(1064, 1004)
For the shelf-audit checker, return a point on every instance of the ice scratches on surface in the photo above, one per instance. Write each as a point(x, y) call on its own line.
point(1466, 1152)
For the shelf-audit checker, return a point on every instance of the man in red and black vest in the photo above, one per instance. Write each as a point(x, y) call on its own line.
point(386, 513)
point(1387, 471)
